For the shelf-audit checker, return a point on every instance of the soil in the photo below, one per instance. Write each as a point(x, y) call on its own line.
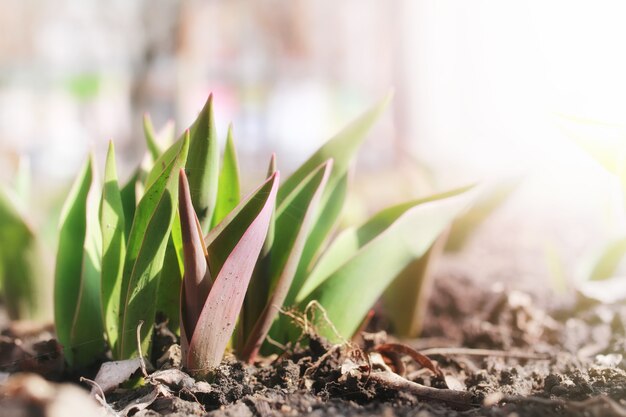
point(501, 355)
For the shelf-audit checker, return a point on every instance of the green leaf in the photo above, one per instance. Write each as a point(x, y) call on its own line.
point(112, 224)
point(203, 165)
point(128, 194)
point(148, 129)
point(341, 149)
point(269, 241)
point(229, 192)
point(144, 256)
point(233, 249)
point(406, 299)
point(294, 218)
point(362, 262)
point(326, 222)
point(78, 314)
point(164, 161)
point(22, 270)
point(170, 280)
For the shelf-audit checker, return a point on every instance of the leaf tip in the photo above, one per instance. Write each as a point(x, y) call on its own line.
point(207, 110)
point(272, 166)
point(182, 180)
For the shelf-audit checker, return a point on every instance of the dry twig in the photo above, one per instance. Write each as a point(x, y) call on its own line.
point(461, 400)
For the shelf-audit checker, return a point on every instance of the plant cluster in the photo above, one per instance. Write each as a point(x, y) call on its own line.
point(178, 241)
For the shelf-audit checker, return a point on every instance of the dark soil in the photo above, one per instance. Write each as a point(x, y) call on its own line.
point(500, 352)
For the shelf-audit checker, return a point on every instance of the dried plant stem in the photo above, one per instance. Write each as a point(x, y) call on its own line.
point(142, 361)
point(99, 396)
point(457, 399)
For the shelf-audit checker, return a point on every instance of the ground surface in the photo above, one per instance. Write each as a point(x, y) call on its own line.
point(503, 356)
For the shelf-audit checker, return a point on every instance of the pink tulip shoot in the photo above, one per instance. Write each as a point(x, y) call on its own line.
point(217, 272)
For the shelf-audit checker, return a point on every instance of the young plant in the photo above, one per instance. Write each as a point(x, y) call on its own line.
point(309, 205)
point(106, 274)
point(145, 253)
point(122, 264)
point(293, 269)
point(217, 272)
point(276, 241)
point(77, 312)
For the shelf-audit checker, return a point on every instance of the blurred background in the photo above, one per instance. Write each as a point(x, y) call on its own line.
point(484, 91)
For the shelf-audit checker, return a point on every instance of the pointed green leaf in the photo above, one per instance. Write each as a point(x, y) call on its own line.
point(269, 241)
point(144, 256)
point(233, 248)
point(151, 142)
point(294, 218)
point(164, 161)
point(171, 276)
point(229, 192)
point(362, 262)
point(203, 165)
point(341, 149)
point(112, 224)
point(272, 167)
point(78, 314)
